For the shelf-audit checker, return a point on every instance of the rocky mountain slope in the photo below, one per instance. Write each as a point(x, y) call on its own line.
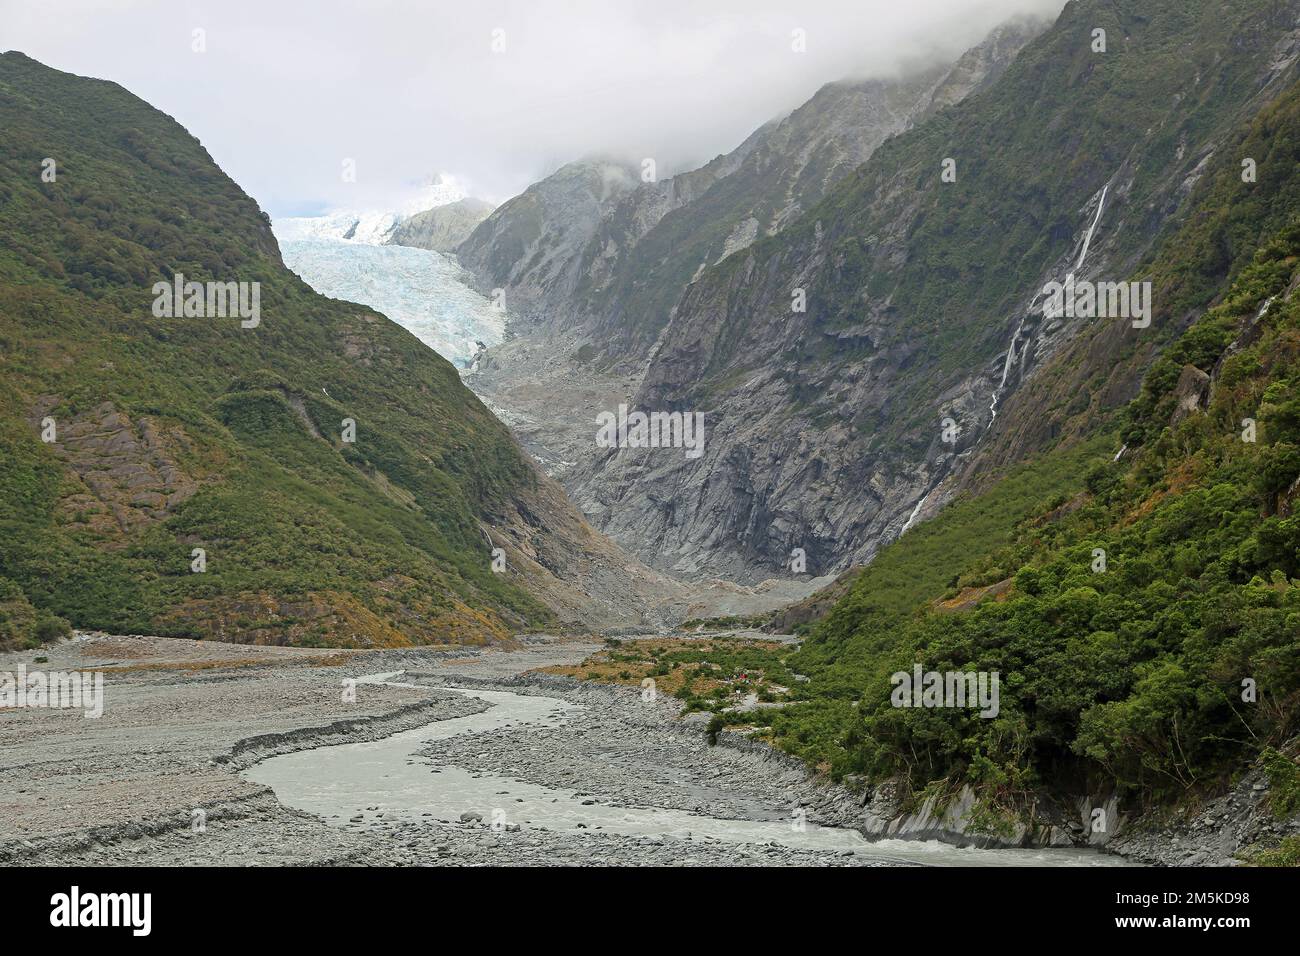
point(829, 427)
point(531, 245)
point(583, 328)
point(634, 282)
point(442, 228)
point(1075, 384)
point(632, 245)
point(304, 471)
point(1140, 611)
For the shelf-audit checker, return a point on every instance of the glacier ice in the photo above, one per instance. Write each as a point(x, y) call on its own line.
point(424, 292)
point(341, 254)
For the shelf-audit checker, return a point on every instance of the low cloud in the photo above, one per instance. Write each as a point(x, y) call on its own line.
point(284, 92)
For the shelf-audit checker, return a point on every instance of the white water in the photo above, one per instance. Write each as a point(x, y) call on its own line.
point(1011, 349)
point(1263, 309)
point(340, 781)
point(915, 511)
point(1087, 239)
point(1006, 370)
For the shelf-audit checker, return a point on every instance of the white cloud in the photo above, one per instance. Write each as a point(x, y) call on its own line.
point(287, 90)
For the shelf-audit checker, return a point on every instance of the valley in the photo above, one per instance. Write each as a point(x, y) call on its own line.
point(459, 757)
point(602, 526)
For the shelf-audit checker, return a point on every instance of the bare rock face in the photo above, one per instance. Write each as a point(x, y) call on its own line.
point(777, 472)
point(532, 245)
point(1191, 393)
point(595, 330)
point(442, 228)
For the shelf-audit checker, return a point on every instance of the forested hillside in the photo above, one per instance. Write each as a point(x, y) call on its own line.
point(1129, 600)
point(130, 441)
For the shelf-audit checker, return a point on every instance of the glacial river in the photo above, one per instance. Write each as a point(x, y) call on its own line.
point(341, 781)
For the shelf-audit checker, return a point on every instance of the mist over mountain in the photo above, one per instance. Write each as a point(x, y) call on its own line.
point(437, 86)
point(594, 262)
point(857, 435)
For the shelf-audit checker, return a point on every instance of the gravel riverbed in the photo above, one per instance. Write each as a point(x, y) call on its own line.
point(156, 779)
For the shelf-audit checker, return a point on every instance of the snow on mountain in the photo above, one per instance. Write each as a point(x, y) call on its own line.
point(370, 226)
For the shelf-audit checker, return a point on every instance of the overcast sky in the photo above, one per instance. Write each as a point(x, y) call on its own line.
point(286, 90)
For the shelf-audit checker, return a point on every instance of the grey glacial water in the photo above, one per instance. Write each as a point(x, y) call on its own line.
point(341, 781)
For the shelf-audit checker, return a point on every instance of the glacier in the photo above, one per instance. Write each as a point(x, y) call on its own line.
point(342, 254)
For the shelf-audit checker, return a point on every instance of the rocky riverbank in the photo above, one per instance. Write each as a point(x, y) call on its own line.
point(157, 779)
point(630, 752)
point(668, 761)
point(154, 780)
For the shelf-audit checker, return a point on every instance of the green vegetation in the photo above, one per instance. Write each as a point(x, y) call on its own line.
point(1132, 674)
point(707, 674)
point(1284, 783)
point(23, 626)
point(1286, 853)
point(904, 271)
point(951, 551)
point(183, 433)
point(1163, 671)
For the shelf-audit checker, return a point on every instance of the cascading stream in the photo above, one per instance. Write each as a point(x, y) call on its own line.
point(1012, 355)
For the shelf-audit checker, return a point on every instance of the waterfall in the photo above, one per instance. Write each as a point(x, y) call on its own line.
point(1006, 370)
point(1020, 326)
point(1011, 350)
point(915, 511)
point(1087, 239)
